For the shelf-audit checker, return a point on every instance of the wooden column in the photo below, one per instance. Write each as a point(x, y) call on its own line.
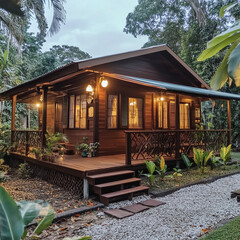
point(44, 115)
point(96, 110)
point(229, 121)
point(14, 102)
point(177, 124)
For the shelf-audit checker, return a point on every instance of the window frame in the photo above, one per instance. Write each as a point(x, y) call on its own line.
point(189, 115)
point(143, 107)
point(157, 115)
point(118, 111)
point(74, 112)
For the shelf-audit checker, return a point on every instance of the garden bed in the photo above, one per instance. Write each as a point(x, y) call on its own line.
point(31, 189)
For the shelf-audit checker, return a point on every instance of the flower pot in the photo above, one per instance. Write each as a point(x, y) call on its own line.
point(84, 154)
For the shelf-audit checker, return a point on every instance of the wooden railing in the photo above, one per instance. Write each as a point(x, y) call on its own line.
point(144, 145)
point(24, 140)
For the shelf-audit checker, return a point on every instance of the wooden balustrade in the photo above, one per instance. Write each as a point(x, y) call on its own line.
point(24, 140)
point(144, 145)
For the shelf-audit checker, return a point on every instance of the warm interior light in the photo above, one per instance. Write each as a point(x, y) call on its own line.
point(186, 104)
point(38, 105)
point(89, 88)
point(132, 103)
point(162, 98)
point(104, 83)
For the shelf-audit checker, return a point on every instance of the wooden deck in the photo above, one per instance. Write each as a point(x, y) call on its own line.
point(81, 167)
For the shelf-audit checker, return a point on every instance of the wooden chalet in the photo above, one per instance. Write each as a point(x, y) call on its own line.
point(135, 104)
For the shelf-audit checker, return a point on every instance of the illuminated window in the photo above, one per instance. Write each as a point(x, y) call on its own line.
point(135, 112)
point(184, 116)
point(162, 114)
point(78, 111)
point(197, 115)
point(112, 111)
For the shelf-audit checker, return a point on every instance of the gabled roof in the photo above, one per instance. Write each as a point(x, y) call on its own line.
point(72, 69)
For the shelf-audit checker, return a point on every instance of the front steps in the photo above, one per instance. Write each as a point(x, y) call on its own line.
point(115, 186)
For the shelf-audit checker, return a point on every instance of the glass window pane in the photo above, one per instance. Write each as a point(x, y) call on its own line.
point(135, 112)
point(112, 111)
point(160, 115)
point(83, 112)
point(71, 111)
point(165, 114)
point(77, 111)
point(184, 116)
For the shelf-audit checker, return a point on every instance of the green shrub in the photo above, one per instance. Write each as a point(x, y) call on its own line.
point(24, 171)
point(3, 167)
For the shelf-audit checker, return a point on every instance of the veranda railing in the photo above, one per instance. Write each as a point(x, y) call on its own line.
point(144, 145)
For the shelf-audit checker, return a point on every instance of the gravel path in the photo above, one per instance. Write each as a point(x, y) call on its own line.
point(187, 214)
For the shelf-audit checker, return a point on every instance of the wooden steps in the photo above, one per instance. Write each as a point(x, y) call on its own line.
point(114, 186)
point(106, 198)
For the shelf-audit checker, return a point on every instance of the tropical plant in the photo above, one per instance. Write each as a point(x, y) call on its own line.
point(177, 173)
point(229, 70)
point(225, 153)
point(201, 158)
point(5, 140)
point(2, 176)
point(214, 162)
point(151, 169)
point(78, 238)
point(15, 216)
point(25, 171)
point(37, 152)
point(186, 161)
point(3, 167)
point(161, 167)
point(53, 142)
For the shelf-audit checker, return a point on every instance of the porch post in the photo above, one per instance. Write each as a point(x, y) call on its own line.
point(14, 101)
point(229, 121)
point(44, 115)
point(177, 124)
point(96, 110)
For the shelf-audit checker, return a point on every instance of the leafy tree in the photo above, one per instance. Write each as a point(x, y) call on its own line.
point(58, 56)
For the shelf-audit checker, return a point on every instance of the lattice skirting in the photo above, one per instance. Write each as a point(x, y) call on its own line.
point(66, 181)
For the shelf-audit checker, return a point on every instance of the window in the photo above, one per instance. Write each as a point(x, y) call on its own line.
point(197, 115)
point(162, 114)
point(135, 112)
point(184, 116)
point(112, 111)
point(78, 111)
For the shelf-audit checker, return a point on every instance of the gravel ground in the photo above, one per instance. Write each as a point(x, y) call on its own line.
point(187, 214)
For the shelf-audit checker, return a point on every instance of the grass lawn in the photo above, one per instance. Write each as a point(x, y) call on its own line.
point(192, 176)
point(229, 231)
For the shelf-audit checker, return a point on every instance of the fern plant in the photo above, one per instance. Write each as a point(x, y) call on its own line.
point(225, 153)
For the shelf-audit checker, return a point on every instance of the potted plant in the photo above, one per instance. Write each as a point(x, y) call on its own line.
point(83, 148)
point(93, 149)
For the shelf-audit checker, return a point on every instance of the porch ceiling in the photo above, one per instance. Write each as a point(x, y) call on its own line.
point(177, 88)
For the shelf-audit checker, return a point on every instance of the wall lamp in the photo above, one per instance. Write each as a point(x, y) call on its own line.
point(90, 94)
point(104, 82)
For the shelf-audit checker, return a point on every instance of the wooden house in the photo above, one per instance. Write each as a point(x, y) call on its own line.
point(135, 104)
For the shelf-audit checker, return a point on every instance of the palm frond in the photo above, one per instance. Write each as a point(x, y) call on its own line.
point(59, 16)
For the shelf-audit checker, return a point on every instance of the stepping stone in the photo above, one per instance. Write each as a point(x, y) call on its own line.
point(152, 203)
point(135, 208)
point(118, 213)
point(235, 193)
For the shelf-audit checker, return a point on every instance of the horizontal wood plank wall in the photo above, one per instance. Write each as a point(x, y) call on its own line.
point(51, 115)
point(112, 141)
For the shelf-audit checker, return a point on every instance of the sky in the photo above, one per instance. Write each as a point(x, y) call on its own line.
point(96, 27)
